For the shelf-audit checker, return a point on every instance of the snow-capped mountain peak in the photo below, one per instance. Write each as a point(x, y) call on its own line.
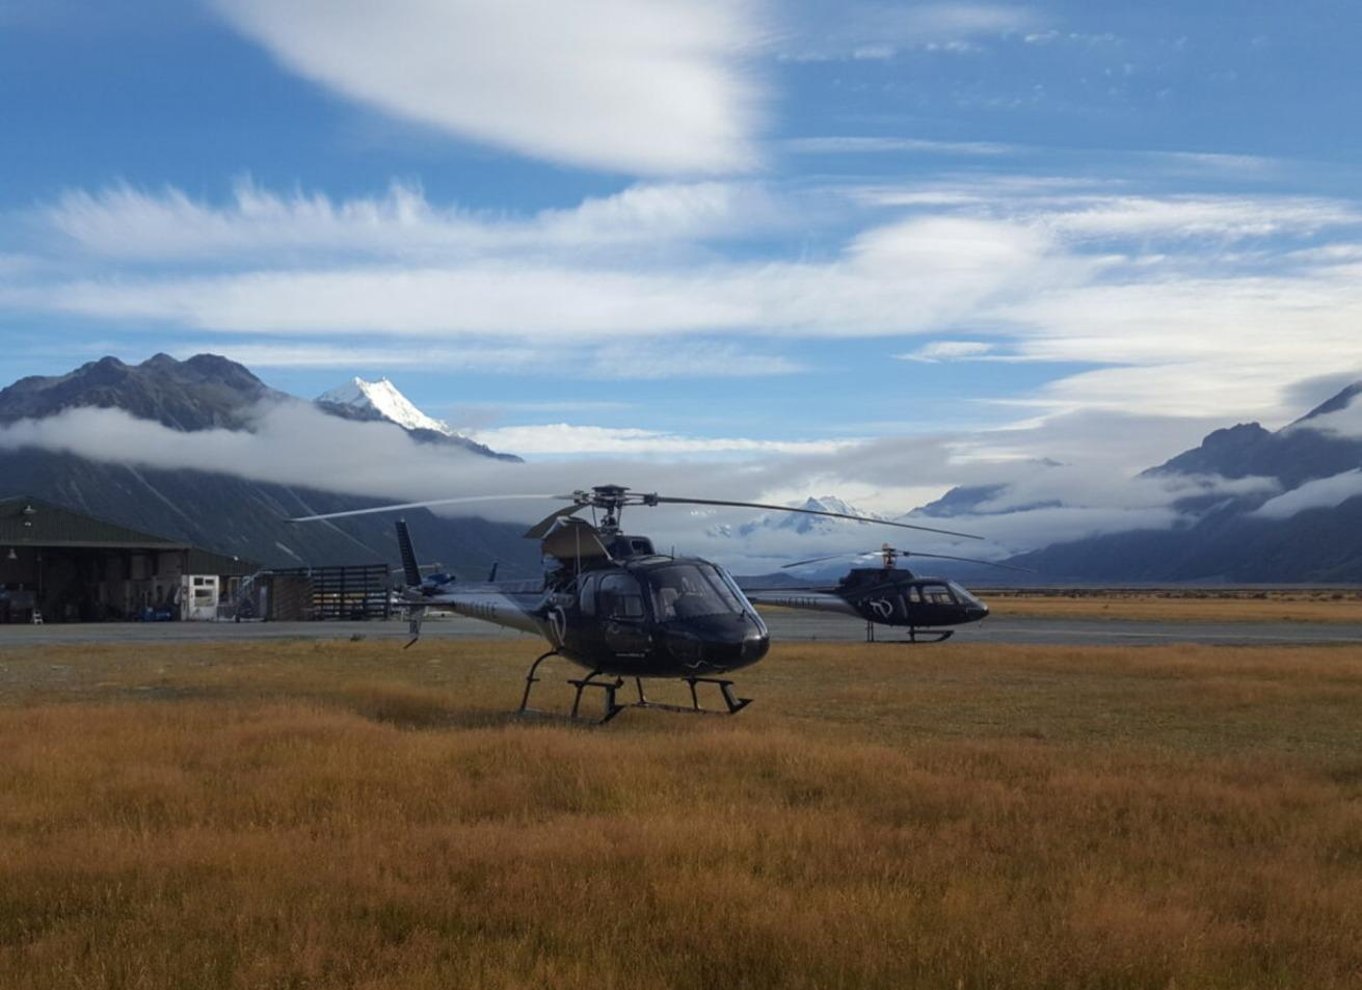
point(382, 399)
point(796, 522)
point(831, 503)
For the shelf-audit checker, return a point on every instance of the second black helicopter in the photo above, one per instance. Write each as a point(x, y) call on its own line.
point(888, 595)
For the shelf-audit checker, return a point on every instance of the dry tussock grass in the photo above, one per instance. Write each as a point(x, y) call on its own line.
point(1182, 605)
point(349, 814)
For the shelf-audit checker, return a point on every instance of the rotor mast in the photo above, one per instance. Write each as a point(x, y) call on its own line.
point(611, 499)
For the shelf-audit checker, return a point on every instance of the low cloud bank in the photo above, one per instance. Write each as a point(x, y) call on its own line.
point(1323, 493)
point(1036, 503)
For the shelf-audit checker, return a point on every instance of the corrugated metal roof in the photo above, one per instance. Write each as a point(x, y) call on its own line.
point(30, 522)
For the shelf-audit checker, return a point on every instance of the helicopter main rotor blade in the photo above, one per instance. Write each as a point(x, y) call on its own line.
point(967, 560)
point(811, 512)
point(826, 556)
point(910, 553)
point(415, 505)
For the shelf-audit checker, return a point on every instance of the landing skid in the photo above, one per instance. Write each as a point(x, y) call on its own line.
point(611, 705)
point(914, 635)
point(732, 703)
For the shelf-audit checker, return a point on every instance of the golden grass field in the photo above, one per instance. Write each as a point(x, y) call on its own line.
point(349, 814)
point(1181, 605)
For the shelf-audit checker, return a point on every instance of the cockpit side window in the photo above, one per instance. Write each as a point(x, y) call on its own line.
point(620, 597)
point(937, 594)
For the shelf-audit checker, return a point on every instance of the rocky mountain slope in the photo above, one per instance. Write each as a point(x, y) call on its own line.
point(200, 393)
point(220, 511)
point(1242, 538)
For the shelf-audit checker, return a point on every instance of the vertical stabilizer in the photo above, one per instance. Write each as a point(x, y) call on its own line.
point(410, 571)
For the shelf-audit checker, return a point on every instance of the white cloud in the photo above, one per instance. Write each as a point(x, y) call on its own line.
point(1322, 493)
point(1081, 210)
point(563, 439)
point(638, 86)
point(899, 278)
point(1203, 163)
point(637, 360)
point(1345, 422)
point(1186, 306)
point(1194, 346)
point(128, 224)
point(1183, 217)
point(884, 145)
point(294, 443)
point(883, 30)
point(948, 350)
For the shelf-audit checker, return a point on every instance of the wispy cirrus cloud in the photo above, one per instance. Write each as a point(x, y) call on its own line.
point(1187, 217)
point(883, 30)
point(631, 360)
point(891, 279)
point(128, 224)
point(851, 145)
point(949, 350)
point(652, 87)
point(1171, 303)
point(567, 440)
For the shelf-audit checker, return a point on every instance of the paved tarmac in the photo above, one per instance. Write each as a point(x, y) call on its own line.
point(784, 625)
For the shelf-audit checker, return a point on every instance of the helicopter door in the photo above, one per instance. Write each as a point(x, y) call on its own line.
point(938, 605)
point(619, 604)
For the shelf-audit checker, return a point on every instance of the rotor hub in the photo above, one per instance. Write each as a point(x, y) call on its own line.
point(611, 500)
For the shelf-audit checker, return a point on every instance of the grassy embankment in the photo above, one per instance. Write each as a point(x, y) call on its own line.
point(1181, 605)
point(349, 814)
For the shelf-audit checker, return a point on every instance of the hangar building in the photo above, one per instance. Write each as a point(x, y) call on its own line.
point(57, 565)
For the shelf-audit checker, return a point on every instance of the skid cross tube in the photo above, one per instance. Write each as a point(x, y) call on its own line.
point(612, 707)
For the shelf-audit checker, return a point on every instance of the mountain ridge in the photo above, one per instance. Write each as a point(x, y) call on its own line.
point(1234, 538)
point(203, 392)
point(221, 511)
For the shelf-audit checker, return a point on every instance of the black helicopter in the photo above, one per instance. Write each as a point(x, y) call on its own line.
point(888, 595)
point(611, 603)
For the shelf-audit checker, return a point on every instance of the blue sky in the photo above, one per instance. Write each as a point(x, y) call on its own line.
point(987, 233)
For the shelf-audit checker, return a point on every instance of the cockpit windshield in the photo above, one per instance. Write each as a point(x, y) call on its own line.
point(963, 596)
point(686, 590)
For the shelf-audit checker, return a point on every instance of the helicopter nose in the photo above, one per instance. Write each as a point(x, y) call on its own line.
point(754, 645)
point(976, 612)
point(721, 644)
